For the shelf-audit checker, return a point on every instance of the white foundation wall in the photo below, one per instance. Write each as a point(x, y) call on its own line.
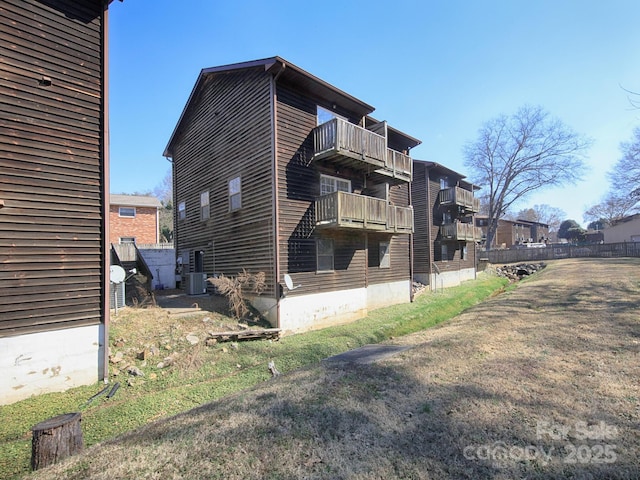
point(45, 362)
point(306, 312)
point(452, 279)
point(385, 294)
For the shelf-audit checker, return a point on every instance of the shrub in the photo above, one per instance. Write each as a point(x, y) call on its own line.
point(234, 288)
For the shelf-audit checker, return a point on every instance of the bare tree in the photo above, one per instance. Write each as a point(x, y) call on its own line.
point(164, 193)
point(519, 154)
point(544, 213)
point(625, 175)
point(612, 208)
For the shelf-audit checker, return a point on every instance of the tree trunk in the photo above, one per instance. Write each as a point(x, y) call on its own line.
point(54, 439)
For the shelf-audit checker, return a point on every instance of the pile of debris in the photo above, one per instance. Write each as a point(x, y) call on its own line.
point(519, 271)
point(418, 287)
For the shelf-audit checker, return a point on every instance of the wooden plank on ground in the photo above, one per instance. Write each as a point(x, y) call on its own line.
point(236, 335)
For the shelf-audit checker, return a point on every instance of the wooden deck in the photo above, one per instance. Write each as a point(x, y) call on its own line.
point(460, 197)
point(461, 231)
point(348, 210)
point(357, 147)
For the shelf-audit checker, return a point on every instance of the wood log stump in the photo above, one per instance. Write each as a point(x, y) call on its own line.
point(56, 438)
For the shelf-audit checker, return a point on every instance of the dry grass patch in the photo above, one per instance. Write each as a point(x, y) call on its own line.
point(538, 383)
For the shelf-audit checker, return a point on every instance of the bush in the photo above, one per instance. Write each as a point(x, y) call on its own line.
point(234, 288)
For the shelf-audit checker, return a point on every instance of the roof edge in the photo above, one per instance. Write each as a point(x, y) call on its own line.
point(268, 64)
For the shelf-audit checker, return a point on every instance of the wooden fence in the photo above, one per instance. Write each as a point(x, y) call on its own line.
point(605, 250)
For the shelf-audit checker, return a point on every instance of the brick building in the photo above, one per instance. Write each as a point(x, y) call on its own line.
point(134, 219)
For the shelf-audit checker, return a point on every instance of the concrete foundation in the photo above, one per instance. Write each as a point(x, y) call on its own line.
point(45, 362)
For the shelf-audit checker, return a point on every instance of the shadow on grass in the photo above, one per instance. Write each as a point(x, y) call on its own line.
point(376, 421)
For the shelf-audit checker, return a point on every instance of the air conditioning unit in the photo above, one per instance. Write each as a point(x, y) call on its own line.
point(196, 283)
point(116, 295)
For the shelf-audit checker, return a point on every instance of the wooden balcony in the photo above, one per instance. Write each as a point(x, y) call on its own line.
point(461, 232)
point(348, 210)
point(351, 145)
point(460, 197)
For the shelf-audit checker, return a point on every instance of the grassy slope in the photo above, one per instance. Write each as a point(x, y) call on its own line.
point(212, 373)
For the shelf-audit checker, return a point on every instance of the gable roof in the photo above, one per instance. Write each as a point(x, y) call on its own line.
point(134, 201)
point(532, 222)
point(448, 171)
point(282, 71)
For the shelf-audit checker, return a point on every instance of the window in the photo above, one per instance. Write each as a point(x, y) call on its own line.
point(446, 218)
point(235, 193)
point(324, 115)
point(324, 250)
point(444, 183)
point(330, 184)
point(385, 255)
point(444, 252)
point(463, 252)
point(182, 210)
point(127, 212)
point(127, 239)
point(204, 205)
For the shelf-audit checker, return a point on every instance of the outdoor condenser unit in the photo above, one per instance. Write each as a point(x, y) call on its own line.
point(116, 295)
point(196, 283)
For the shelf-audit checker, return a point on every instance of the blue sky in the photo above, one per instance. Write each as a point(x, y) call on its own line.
point(436, 70)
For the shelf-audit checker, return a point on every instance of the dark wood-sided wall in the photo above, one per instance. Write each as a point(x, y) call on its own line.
point(422, 216)
point(52, 165)
point(227, 133)
point(298, 188)
point(428, 216)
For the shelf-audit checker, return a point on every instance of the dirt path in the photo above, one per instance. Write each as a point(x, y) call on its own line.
point(537, 383)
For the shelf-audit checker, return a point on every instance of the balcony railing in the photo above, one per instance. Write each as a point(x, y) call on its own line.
point(460, 197)
point(348, 210)
point(461, 231)
point(360, 148)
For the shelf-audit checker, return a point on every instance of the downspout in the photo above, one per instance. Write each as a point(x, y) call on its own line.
point(429, 222)
point(274, 176)
point(174, 215)
point(106, 260)
point(411, 240)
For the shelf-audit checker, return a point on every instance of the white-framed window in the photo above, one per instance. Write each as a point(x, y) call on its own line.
point(444, 252)
point(444, 183)
point(463, 252)
point(127, 212)
point(446, 218)
point(127, 239)
point(182, 210)
point(329, 184)
point(385, 255)
point(324, 254)
point(204, 205)
point(235, 193)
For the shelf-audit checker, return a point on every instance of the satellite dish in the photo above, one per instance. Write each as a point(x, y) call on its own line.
point(289, 282)
point(116, 274)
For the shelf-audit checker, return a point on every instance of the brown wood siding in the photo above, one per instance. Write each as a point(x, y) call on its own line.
point(52, 177)
point(400, 260)
point(427, 210)
point(227, 133)
point(299, 186)
point(422, 214)
point(453, 262)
